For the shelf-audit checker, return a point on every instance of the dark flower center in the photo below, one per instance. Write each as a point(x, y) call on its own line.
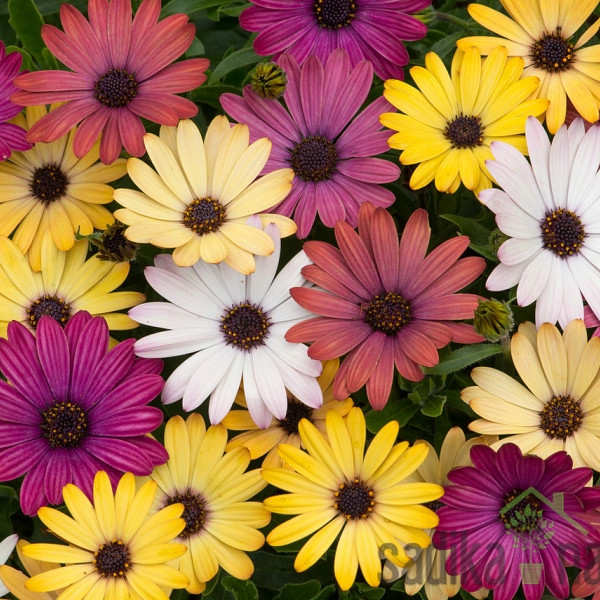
point(116, 88)
point(314, 158)
point(523, 514)
point(49, 306)
point(562, 232)
point(112, 560)
point(334, 14)
point(194, 511)
point(552, 52)
point(464, 132)
point(114, 246)
point(388, 313)
point(561, 417)
point(354, 500)
point(64, 425)
point(204, 215)
point(48, 183)
point(245, 326)
point(296, 411)
point(434, 505)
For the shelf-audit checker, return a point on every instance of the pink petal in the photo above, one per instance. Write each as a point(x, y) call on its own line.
point(162, 108)
point(61, 120)
point(131, 130)
point(312, 87)
point(405, 366)
point(370, 170)
point(119, 31)
point(89, 131)
point(327, 282)
point(178, 77)
point(325, 304)
point(460, 274)
point(413, 246)
point(418, 347)
point(380, 383)
point(110, 144)
point(62, 46)
point(54, 81)
point(145, 18)
point(363, 360)
point(455, 306)
point(98, 17)
point(385, 247)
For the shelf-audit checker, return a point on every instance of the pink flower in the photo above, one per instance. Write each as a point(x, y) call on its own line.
point(121, 73)
point(383, 302)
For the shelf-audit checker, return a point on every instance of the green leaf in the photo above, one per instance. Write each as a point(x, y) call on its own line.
point(241, 590)
point(464, 357)
point(49, 60)
point(190, 6)
point(210, 94)
point(237, 59)
point(26, 20)
point(394, 410)
point(196, 49)
point(433, 406)
point(292, 591)
point(326, 592)
point(368, 592)
point(478, 234)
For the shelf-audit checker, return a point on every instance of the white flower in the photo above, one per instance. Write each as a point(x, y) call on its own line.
point(7, 545)
point(234, 325)
point(551, 211)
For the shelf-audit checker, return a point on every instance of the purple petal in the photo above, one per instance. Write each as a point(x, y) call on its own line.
point(123, 455)
point(53, 352)
point(32, 496)
point(16, 408)
point(16, 460)
point(123, 423)
point(58, 473)
point(13, 434)
point(131, 393)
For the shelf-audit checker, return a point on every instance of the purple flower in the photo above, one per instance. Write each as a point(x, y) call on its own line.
point(318, 135)
point(12, 137)
point(371, 29)
point(512, 519)
point(73, 408)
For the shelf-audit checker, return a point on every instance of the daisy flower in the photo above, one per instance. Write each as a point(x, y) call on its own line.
point(48, 189)
point(542, 34)
point(234, 326)
point(7, 545)
point(338, 488)
point(367, 29)
point(384, 302)
point(557, 408)
point(201, 194)
point(73, 407)
point(66, 284)
point(551, 210)
point(506, 521)
point(264, 442)
point(120, 73)
point(214, 488)
point(116, 550)
point(323, 137)
point(450, 121)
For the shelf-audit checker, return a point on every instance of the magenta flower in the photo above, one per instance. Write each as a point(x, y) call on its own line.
point(371, 29)
point(73, 408)
point(12, 137)
point(512, 519)
point(318, 135)
point(121, 73)
point(384, 302)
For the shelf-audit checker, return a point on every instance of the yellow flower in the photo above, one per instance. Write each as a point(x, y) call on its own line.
point(337, 487)
point(263, 442)
point(429, 567)
point(66, 284)
point(541, 33)
point(201, 194)
point(559, 409)
point(220, 526)
point(48, 189)
point(450, 121)
point(115, 547)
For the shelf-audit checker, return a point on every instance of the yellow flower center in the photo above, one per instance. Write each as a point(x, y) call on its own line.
point(48, 183)
point(296, 411)
point(50, 306)
point(562, 232)
point(194, 511)
point(354, 500)
point(64, 425)
point(268, 80)
point(561, 417)
point(245, 326)
point(112, 559)
point(334, 14)
point(388, 313)
point(552, 52)
point(204, 215)
point(116, 88)
point(314, 158)
point(464, 132)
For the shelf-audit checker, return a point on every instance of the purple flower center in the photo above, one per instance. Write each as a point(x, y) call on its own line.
point(245, 326)
point(561, 417)
point(562, 232)
point(521, 514)
point(112, 559)
point(354, 500)
point(296, 411)
point(194, 511)
point(334, 14)
point(204, 215)
point(464, 132)
point(388, 313)
point(48, 183)
point(116, 88)
point(64, 425)
point(552, 52)
point(49, 306)
point(314, 158)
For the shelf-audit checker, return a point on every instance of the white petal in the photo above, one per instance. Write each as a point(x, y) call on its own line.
point(572, 305)
point(294, 355)
point(560, 167)
point(175, 342)
point(538, 147)
point(290, 276)
point(224, 394)
point(549, 303)
point(210, 275)
point(289, 311)
point(504, 277)
point(585, 167)
point(304, 387)
point(517, 250)
point(534, 278)
point(266, 267)
point(7, 546)
point(576, 133)
point(180, 378)
point(590, 217)
point(515, 222)
point(260, 414)
point(587, 278)
point(269, 383)
point(164, 315)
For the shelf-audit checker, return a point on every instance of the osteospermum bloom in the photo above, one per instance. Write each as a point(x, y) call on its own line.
point(234, 325)
point(66, 284)
point(384, 302)
point(116, 550)
point(512, 519)
point(214, 488)
point(551, 210)
point(73, 408)
point(121, 73)
point(7, 545)
point(450, 121)
point(321, 137)
point(367, 29)
point(557, 410)
point(264, 442)
point(48, 189)
point(201, 194)
point(338, 488)
point(542, 34)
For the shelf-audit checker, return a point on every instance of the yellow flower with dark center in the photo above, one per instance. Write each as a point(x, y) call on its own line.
point(450, 121)
point(339, 489)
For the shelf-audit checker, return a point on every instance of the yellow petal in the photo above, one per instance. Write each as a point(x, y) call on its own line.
point(345, 563)
point(190, 147)
point(318, 544)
